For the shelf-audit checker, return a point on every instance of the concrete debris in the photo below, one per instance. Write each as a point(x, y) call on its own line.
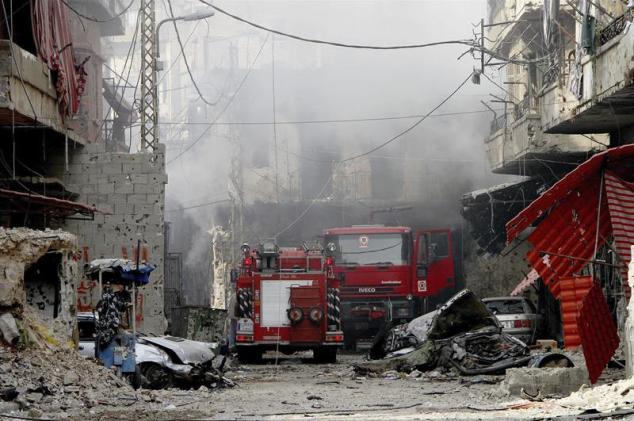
point(544, 381)
point(9, 329)
point(38, 274)
point(604, 398)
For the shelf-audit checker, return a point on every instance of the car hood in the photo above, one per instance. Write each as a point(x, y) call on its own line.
point(187, 351)
point(464, 312)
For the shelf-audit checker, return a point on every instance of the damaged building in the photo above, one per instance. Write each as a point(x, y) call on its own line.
point(63, 164)
point(562, 229)
point(40, 273)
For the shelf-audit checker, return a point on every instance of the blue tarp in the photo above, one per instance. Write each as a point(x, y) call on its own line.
point(121, 270)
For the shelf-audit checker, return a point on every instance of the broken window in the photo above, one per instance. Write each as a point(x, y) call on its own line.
point(42, 282)
point(506, 306)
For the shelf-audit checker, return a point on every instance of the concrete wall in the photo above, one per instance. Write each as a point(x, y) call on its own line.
point(131, 188)
point(199, 323)
point(22, 250)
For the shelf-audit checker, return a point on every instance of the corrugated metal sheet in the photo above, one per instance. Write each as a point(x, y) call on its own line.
point(620, 196)
point(573, 291)
point(618, 160)
point(598, 333)
point(563, 242)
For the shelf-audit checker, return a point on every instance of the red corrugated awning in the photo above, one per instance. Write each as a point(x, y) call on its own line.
point(618, 160)
point(572, 219)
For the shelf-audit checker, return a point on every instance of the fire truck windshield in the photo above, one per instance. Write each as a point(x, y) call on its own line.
point(371, 249)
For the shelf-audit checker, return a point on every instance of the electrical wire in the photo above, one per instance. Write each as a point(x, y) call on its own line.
point(469, 43)
point(129, 54)
point(200, 205)
point(227, 105)
point(309, 207)
point(94, 19)
point(189, 70)
point(410, 128)
point(325, 121)
point(474, 45)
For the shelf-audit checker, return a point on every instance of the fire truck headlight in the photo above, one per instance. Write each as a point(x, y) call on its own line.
point(245, 249)
point(295, 314)
point(316, 314)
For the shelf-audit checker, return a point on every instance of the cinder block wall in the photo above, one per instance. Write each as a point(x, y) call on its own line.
point(130, 188)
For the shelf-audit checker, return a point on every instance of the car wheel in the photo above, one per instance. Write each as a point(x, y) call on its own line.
point(155, 376)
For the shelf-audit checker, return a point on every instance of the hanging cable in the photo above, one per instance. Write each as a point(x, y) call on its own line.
point(469, 43)
point(410, 128)
point(237, 91)
point(94, 19)
point(475, 46)
point(310, 206)
point(189, 70)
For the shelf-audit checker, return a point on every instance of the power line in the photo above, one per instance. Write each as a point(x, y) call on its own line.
point(410, 128)
point(474, 45)
point(469, 43)
point(309, 207)
point(121, 80)
point(200, 205)
point(237, 91)
point(325, 121)
point(182, 48)
point(94, 19)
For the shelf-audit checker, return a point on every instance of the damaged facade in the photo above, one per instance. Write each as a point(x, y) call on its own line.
point(559, 109)
point(39, 274)
point(59, 167)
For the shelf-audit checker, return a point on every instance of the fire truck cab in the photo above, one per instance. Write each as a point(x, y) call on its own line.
point(287, 300)
point(388, 275)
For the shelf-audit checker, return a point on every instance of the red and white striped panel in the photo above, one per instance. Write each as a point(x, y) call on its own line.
point(620, 195)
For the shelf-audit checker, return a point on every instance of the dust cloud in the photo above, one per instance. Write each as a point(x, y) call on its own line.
point(283, 170)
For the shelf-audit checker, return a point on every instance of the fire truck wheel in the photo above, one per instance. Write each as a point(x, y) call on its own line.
point(325, 355)
point(249, 355)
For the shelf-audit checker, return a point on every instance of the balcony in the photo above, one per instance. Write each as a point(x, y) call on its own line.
point(28, 96)
point(606, 102)
point(523, 149)
point(522, 12)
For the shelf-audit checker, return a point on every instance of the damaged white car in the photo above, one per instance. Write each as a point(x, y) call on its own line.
point(164, 361)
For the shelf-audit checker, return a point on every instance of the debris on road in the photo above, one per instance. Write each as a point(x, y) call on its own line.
point(463, 336)
point(544, 381)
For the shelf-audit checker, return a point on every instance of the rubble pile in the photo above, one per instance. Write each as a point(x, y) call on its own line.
point(56, 379)
point(604, 398)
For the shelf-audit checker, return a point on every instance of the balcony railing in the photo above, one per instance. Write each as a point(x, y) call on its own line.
point(613, 29)
point(522, 108)
point(498, 123)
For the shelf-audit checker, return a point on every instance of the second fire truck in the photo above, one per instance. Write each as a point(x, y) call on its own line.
point(287, 300)
point(388, 275)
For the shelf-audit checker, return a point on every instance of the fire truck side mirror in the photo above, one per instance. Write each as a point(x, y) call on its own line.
point(331, 248)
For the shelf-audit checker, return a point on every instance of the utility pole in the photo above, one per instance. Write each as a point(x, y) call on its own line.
point(149, 100)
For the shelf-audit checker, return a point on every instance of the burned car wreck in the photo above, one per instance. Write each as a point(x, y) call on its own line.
point(180, 362)
point(462, 335)
point(165, 361)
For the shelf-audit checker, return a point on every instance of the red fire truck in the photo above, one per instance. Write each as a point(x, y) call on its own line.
point(388, 274)
point(287, 300)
